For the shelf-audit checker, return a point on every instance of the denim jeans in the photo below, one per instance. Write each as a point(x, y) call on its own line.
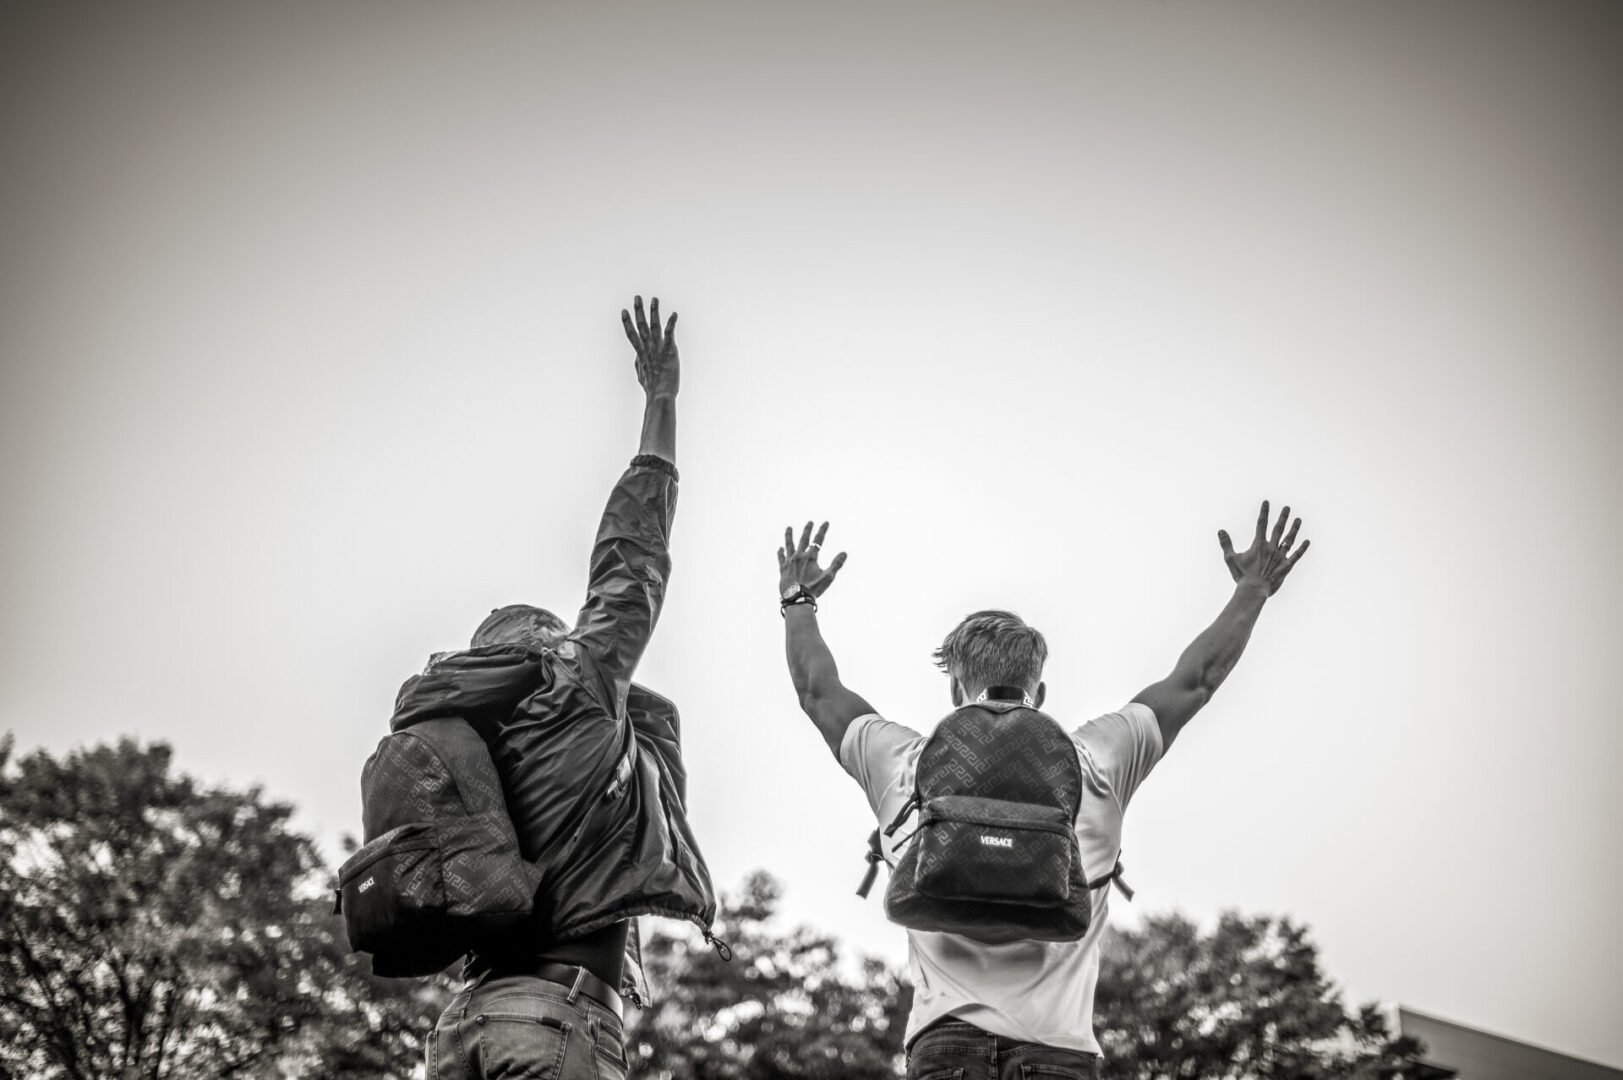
point(954, 1050)
point(521, 1026)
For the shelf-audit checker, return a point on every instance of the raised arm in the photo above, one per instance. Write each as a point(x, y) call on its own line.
point(1258, 573)
point(659, 371)
point(823, 697)
point(631, 558)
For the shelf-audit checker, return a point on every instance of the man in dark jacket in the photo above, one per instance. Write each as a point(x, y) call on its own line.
point(591, 765)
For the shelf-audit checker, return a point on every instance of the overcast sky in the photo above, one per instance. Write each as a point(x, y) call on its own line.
point(309, 322)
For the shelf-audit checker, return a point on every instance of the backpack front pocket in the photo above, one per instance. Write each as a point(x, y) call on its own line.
point(392, 887)
point(972, 848)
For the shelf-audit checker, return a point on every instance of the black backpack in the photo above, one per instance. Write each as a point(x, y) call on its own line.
point(440, 870)
point(993, 855)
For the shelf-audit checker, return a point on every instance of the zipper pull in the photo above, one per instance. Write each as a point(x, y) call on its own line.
point(874, 856)
point(720, 946)
point(907, 808)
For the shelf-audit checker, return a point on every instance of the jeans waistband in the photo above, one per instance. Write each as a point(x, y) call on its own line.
point(949, 1026)
point(576, 980)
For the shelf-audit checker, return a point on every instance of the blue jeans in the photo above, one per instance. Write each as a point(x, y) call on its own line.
point(521, 1026)
point(954, 1050)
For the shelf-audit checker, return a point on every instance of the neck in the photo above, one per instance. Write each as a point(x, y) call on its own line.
point(1004, 692)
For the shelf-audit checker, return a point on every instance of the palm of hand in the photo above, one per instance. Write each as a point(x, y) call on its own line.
point(797, 563)
point(659, 368)
point(1269, 558)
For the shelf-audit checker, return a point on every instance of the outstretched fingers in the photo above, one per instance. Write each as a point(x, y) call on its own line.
point(1290, 537)
point(1262, 524)
point(1297, 555)
point(1279, 526)
point(642, 320)
point(807, 547)
point(1230, 560)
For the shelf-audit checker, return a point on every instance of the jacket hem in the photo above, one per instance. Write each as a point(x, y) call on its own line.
point(621, 915)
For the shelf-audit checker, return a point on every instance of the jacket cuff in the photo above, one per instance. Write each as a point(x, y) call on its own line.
point(657, 463)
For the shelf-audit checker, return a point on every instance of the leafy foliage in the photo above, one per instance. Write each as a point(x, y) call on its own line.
point(783, 1007)
point(1247, 1000)
point(153, 928)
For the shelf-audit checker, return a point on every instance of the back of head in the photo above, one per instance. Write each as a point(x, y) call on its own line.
point(993, 648)
point(520, 624)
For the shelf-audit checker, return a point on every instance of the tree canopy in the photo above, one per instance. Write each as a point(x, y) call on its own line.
point(1247, 999)
point(155, 928)
point(784, 1006)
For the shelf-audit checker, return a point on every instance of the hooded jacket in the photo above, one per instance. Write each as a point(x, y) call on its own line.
point(591, 763)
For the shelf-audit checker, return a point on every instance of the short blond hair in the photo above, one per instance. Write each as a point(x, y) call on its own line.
point(993, 648)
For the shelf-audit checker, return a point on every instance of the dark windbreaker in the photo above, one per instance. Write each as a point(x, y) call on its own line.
point(591, 763)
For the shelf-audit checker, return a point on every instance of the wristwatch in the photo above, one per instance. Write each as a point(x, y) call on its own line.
point(796, 594)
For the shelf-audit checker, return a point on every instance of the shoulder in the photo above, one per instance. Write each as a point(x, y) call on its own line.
point(871, 734)
point(1133, 724)
point(1121, 747)
point(879, 754)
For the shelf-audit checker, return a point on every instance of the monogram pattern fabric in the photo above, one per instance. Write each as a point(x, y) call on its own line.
point(994, 856)
point(441, 866)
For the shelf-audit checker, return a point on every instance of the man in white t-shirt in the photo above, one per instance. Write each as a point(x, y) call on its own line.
point(1006, 1012)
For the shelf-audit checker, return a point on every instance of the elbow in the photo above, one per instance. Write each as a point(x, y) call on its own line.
point(813, 696)
point(1211, 677)
point(809, 698)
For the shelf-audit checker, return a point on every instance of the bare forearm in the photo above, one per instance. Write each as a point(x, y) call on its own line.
point(1213, 654)
point(659, 427)
point(811, 664)
point(823, 697)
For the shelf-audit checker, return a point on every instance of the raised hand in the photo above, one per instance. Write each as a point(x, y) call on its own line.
point(1269, 558)
point(797, 563)
point(659, 370)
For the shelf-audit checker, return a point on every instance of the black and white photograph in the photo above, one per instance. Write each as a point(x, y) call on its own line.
point(713, 540)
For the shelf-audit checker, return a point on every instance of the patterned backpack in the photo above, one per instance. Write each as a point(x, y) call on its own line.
point(994, 854)
point(440, 869)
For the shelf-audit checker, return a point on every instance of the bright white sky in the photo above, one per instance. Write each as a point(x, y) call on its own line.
point(311, 345)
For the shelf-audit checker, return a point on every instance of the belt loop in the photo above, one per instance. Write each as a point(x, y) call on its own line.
point(574, 991)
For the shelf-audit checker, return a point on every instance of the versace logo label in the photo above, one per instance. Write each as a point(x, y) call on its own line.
point(997, 841)
point(367, 884)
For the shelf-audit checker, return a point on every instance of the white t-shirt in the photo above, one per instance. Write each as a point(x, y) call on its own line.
point(1034, 991)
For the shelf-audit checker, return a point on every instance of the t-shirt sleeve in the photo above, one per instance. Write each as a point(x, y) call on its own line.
point(1125, 746)
point(874, 751)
